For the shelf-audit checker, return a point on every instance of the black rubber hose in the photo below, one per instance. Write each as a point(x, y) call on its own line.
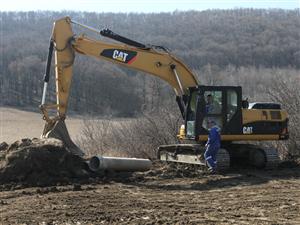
point(49, 59)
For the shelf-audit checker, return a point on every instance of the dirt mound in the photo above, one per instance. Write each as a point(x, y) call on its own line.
point(39, 162)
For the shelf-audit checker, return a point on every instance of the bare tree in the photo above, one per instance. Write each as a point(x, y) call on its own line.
point(138, 137)
point(286, 90)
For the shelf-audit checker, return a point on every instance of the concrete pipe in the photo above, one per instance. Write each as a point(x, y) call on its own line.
point(98, 163)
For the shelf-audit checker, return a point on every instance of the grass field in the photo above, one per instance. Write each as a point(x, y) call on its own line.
point(16, 124)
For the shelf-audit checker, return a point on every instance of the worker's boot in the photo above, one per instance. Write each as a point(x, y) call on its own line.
point(212, 170)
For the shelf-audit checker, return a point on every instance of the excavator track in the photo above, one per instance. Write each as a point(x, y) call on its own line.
point(223, 159)
point(254, 155)
point(272, 158)
point(191, 154)
point(240, 155)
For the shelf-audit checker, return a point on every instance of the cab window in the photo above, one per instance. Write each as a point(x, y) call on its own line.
point(213, 108)
point(231, 104)
point(191, 116)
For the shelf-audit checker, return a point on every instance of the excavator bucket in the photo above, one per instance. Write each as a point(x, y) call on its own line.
point(59, 131)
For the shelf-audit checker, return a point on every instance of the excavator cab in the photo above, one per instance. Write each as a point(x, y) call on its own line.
point(221, 104)
point(237, 121)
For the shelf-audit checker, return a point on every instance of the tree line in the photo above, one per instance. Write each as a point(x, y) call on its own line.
point(210, 42)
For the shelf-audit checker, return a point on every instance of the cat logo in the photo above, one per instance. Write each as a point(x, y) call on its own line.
point(119, 55)
point(247, 130)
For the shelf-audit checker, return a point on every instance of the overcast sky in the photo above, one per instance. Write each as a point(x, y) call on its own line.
point(141, 5)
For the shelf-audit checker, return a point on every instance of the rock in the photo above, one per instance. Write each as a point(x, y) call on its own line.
point(3, 146)
point(25, 142)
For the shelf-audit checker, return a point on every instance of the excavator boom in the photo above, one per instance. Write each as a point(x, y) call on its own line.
point(154, 60)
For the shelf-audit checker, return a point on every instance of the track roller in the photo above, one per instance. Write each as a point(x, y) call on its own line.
point(253, 155)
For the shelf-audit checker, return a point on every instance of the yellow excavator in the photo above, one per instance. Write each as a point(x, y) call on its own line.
point(240, 122)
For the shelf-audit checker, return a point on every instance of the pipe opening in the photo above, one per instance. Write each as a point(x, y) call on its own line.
point(94, 163)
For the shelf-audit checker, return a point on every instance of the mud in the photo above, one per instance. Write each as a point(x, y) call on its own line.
point(167, 194)
point(39, 162)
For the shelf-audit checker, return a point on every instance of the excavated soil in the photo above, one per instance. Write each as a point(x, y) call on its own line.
point(167, 194)
point(38, 162)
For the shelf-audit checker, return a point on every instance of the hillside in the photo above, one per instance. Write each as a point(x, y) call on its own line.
point(208, 41)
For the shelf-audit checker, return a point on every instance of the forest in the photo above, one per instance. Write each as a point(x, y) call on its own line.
point(240, 47)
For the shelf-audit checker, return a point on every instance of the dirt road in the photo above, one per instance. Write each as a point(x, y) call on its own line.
point(243, 197)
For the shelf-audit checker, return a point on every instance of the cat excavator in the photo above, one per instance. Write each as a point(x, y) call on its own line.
point(240, 124)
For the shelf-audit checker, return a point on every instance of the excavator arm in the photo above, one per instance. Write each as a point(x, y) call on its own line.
point(152, 60)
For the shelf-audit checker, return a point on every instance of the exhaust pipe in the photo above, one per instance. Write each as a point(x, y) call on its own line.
point(98, 163)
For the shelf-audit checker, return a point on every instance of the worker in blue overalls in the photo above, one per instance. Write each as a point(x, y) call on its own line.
point(212, 146)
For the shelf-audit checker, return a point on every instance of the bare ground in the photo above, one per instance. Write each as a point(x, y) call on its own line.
point(237, 197)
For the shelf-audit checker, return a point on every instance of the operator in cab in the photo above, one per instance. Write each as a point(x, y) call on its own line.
point(212, 146)
point(212, 107)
